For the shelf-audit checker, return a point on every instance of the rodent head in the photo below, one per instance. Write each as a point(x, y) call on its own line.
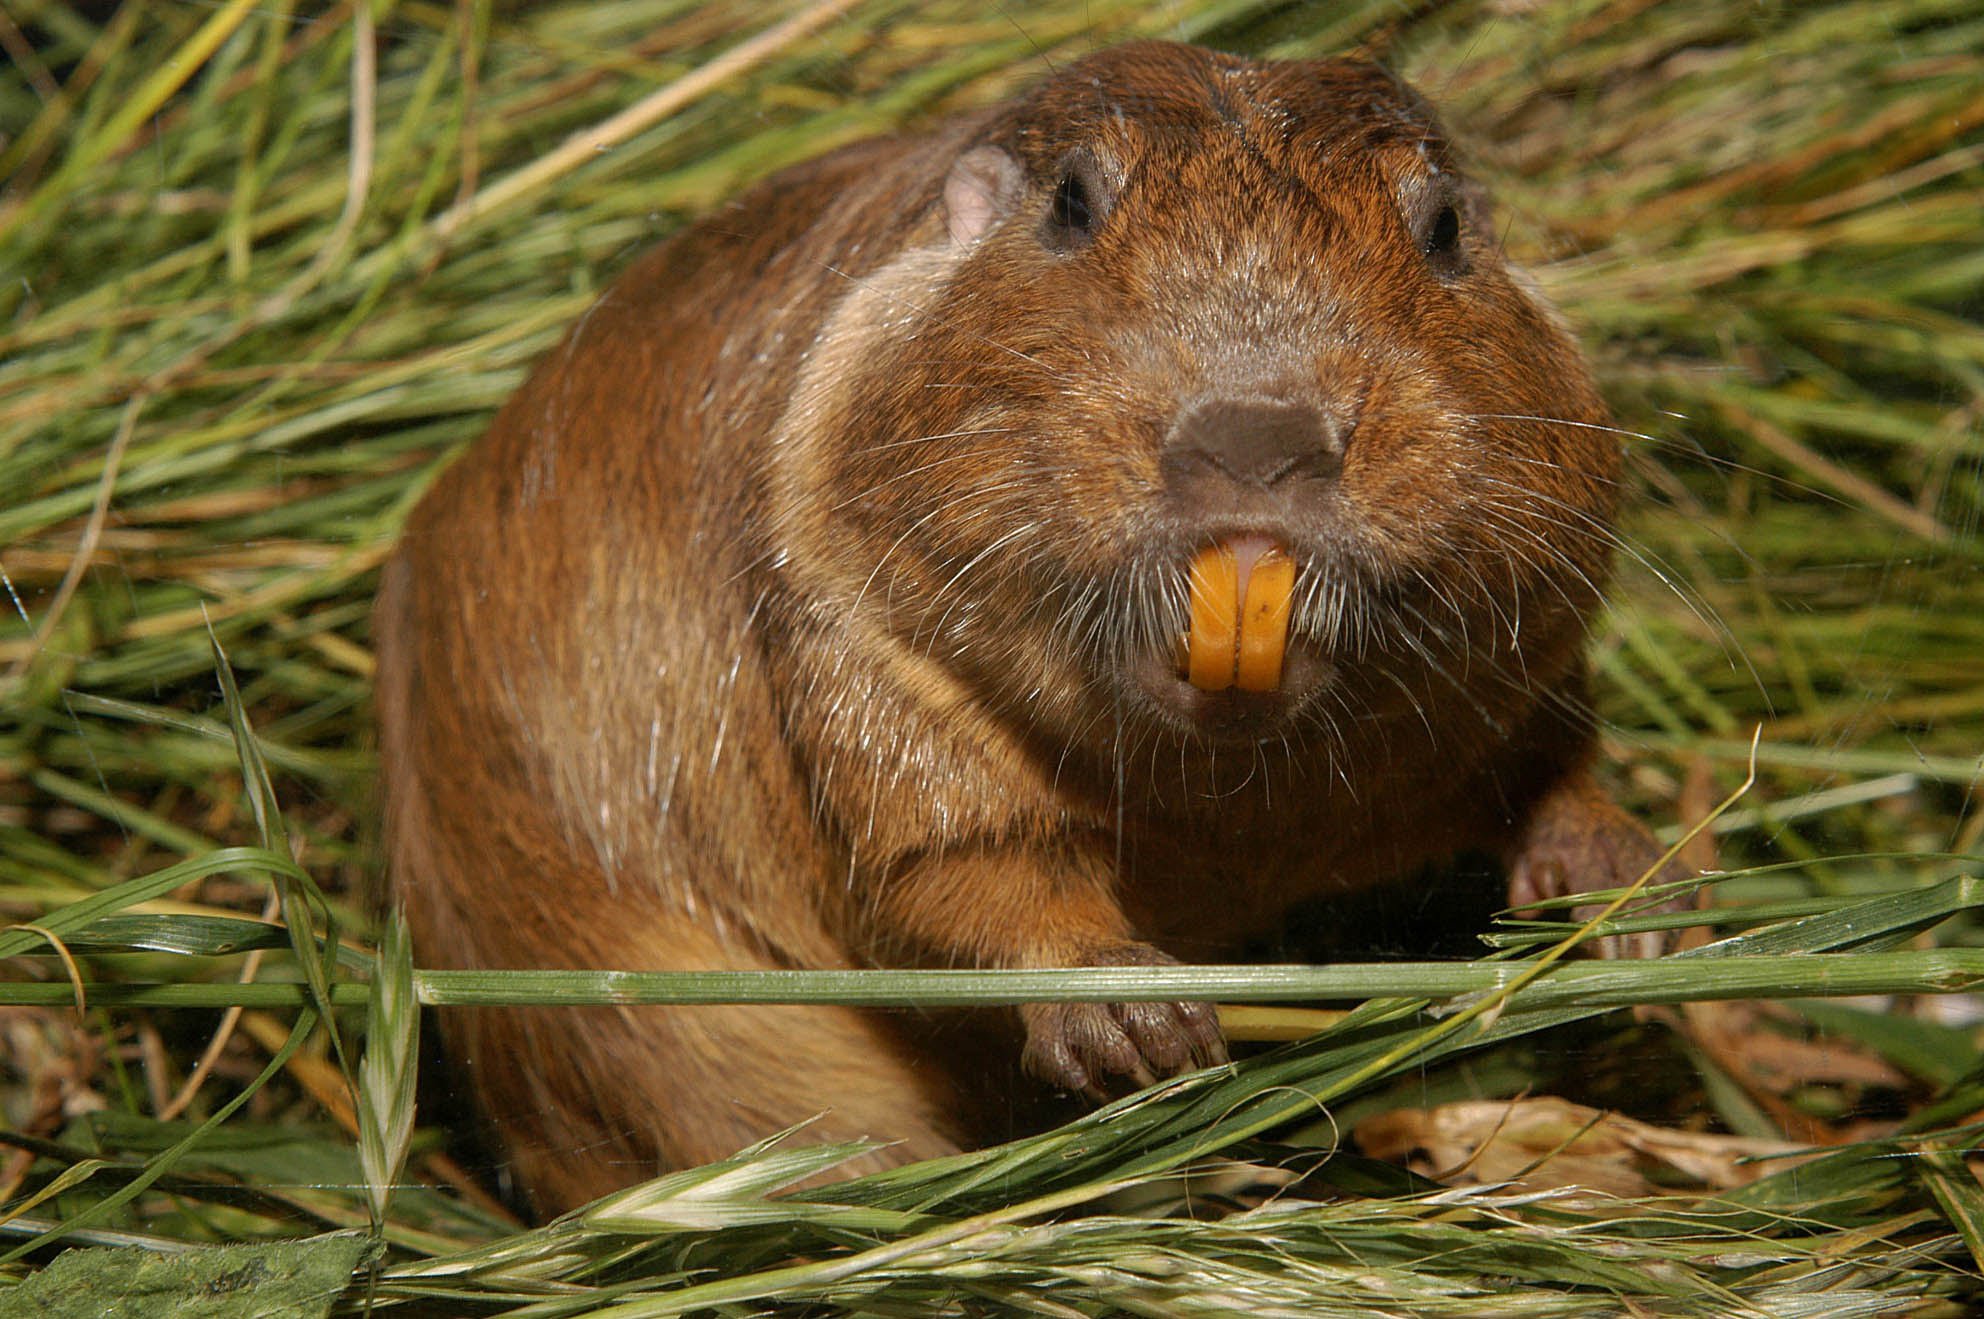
point(1173, 300)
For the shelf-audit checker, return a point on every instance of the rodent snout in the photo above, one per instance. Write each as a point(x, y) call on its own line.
point(1241, 474)
point(1222, 453)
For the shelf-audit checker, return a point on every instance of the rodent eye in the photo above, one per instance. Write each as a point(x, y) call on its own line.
point(1071, 209)
point(1079, 203)
point(1436, 219)
point(1445, 234)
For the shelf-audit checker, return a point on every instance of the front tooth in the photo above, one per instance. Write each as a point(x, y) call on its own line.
point(1213, 643)
point(1264, 622)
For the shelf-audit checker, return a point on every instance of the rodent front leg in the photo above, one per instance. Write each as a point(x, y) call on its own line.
point(1579, 840)
point(1046, 906)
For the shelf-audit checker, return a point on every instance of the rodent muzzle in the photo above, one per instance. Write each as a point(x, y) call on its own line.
point(1258, 460)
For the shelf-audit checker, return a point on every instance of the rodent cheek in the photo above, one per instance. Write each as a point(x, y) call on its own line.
point(1081, 407)
point(1543, 433)
point(1464, 475)
point(1408, 474)
point(1094, 469)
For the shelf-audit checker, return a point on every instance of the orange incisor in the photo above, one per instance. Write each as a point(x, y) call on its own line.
point(1242, 590)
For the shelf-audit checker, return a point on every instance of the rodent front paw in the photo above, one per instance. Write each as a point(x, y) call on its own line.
point(1079, 1046)
point(1583, 846)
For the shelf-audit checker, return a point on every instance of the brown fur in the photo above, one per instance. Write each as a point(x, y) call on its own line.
point(813, 603)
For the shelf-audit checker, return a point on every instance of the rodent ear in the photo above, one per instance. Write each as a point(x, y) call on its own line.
point(983, 185)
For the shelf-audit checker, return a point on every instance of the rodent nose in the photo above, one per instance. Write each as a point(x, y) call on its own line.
point(1252, 442)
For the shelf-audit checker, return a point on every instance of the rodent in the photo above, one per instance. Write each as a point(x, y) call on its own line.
point(823, 600)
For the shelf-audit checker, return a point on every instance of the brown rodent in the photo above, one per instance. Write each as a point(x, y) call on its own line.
point(820, 602)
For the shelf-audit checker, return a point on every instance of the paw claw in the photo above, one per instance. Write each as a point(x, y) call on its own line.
point(1082, 1046)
